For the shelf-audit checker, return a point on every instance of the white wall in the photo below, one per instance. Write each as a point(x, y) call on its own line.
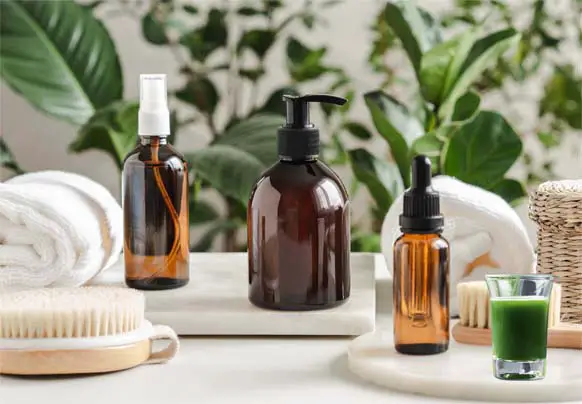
point(40, 142)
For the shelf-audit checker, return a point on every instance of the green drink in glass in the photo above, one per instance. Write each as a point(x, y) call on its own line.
point(519, 325)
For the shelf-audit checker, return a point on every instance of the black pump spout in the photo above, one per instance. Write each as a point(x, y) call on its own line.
point(298, 108)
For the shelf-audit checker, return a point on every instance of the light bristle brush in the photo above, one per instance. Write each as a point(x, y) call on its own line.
point(78, 330)
point(473, 326)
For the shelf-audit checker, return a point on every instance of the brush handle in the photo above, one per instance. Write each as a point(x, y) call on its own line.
point(561, 336)
point(163, 332)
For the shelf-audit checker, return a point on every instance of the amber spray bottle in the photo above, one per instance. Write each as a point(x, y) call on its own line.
point(155, 198)
point(299, 222)
point(421, 270)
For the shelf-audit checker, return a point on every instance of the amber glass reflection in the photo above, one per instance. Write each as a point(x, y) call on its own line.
point(421, 294)
point(299, 238)
point(155, 204)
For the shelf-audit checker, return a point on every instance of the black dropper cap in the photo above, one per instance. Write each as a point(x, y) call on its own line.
point(421, 214)
point(298, 139)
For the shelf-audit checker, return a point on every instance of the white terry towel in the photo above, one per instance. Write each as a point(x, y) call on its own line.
point(56, 229)
point(484, 232)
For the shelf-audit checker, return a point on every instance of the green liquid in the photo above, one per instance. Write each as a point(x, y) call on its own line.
point(519, 328)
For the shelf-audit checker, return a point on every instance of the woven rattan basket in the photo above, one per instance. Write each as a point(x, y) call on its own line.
point(556, 208)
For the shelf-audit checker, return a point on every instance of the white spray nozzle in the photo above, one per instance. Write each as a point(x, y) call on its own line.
point(154, 116)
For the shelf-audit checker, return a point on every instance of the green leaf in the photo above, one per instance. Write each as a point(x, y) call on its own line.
point(563, 97)
point(230, 170)
point(257, 40)
point(217, 228)
point(248, 11)
point(465, 43)
point(466, 107)
point(482, 150)
point(274, 103)
point(112, 129)
point(358, 130)
point(7, 159)
point(380, 177)
point(431, 146)
point(484, 53)
point(59, 57)
point(256, 135)
point(416, 29)
point(511, 190)
point(396, 126)
point(362, 242)
point(203, 41)
point(201, 212)
point(190, 9)
point(434, 66)
point(304, 63)
point(201, 93)
point(153, 29)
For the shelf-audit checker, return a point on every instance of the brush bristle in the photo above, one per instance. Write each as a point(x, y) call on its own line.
point(474, 305)
point(70, 312)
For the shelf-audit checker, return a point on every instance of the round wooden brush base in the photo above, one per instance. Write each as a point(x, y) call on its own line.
point(37, 362)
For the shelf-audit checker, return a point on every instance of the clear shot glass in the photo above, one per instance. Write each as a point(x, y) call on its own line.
point(519, 306)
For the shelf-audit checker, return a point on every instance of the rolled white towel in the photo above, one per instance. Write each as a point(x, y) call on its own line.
point(56, 229)
point(477, 222)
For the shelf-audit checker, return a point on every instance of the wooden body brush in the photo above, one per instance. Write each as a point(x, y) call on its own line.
point(78, 330)
point(473, 326)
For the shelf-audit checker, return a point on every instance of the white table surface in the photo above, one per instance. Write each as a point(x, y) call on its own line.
point(249, 370)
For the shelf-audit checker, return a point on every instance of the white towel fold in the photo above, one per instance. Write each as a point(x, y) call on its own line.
point(56, 229)
point(477, 222)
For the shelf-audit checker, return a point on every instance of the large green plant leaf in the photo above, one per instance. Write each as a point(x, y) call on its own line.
point(59, 57)
point(257, 40)
point(484, 53)
point(201, 93)
point(466, 107)
point(380, 177)
point(201, 212)
point(416, 29)
point(7, 159)
point(256, 136)
point(230, 170)
point(112, 129)
point(511, 190)
point(434, 66)
point(481, 151)
point(203, 41)
point(304, 63)
point(396, 126)
point(563, 97)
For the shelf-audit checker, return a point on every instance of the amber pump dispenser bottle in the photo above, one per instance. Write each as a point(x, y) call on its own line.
point(421, 270)
point(155, 198)
point(298, 222)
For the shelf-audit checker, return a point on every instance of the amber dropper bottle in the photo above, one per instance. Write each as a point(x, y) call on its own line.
point(421, 270)
point(155, 198)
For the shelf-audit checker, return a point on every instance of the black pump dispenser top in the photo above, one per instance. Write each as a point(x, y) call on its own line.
point(421, 211)
point(298, 139)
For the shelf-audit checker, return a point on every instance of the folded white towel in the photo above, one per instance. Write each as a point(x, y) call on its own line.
point(56, 229)
point(477, 222)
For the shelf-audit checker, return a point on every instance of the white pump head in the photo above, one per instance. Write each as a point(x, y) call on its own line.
point(154, 116)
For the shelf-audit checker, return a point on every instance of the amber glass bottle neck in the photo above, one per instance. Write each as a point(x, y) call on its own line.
point(421, 237)
point(153, 140)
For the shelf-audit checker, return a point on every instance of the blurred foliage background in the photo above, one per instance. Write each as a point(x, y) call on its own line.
point(465, 68)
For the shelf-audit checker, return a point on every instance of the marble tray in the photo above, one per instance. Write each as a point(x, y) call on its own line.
point(215, 301)
point(463, 372)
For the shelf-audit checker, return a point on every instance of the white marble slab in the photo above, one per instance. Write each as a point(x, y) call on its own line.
point(464, 372)
point(215, 301)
